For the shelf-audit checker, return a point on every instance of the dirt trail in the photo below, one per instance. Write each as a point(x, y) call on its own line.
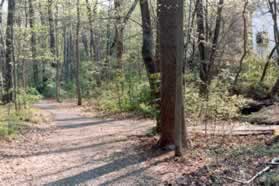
point(77, 150)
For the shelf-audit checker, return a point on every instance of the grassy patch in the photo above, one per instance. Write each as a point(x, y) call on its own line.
point(12, 122)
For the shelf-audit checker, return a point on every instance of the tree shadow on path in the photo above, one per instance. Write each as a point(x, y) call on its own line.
point(114, 166)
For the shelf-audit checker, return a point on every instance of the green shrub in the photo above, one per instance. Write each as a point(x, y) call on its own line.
point(28, 97)
point(252, 71)
point(129, 94)
point(11, 121)
point(49, 90)
point(220, 104)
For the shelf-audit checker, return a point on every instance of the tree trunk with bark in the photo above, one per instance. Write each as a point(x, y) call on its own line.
point(202, 47)
point(148, 56)
point(245, 40)
point(33, 45)
point(92, 45)
point(78, 89)
point(52, 43)
point(43, 45)
point(171, 57)
point(119, 33)
point(8, 84)
point(2, 49)
point(58, 63)
point(180, 132)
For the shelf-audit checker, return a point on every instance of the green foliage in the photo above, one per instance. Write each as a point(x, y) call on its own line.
point(8, 122)
point(11, 121)
point(249, 84)
point(252, 71)
point(28, 97)
point(49, 91)
point(69, 90)
point(220, 104)
point(126, 95)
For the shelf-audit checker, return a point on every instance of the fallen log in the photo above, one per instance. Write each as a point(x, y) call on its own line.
point(255, 106)
point(235, 132)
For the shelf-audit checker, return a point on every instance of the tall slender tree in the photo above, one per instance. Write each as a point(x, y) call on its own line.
point(118, 32)
point(202, 47)
point(78, 55)
point(52, 46)
point(33, 44)
point(148, 55)
point(245, 42)
point(92, 48)
point(57, 54)
point(180, 132)
point(2, 43)
point(43, 45)
point(8, 84)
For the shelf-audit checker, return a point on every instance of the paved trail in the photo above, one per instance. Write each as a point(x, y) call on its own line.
point(77, 150)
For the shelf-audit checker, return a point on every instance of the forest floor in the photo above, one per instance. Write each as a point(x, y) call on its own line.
point(92, 150)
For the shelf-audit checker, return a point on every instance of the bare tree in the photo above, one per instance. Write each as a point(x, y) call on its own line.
point(119, 28)
point(245, 38)
point(207, 54)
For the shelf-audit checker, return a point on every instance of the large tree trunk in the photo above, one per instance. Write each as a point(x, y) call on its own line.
point(171, 50)
point(8, 97)
point(33, 45)
point(78, 56)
